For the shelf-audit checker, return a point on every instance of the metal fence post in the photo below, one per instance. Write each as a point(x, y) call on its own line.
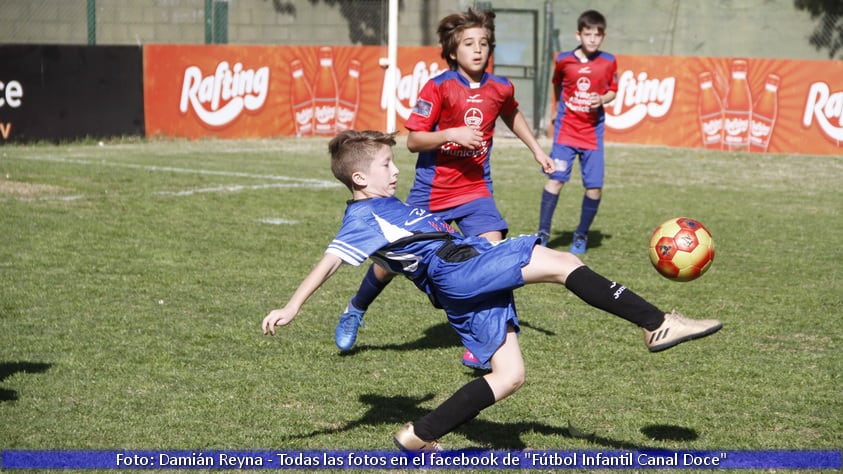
point(209, 21)
point(221, 21)
point(92, 22)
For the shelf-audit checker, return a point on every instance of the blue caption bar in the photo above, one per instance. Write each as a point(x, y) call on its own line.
point(22, 459)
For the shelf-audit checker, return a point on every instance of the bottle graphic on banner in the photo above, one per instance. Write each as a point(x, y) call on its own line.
point(764, 114)
point(710, 111)
point(348, 99)
point(301, 99)
point(738, 109)
point(325, 94)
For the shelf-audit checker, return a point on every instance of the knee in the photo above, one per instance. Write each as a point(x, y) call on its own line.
point(504, 382)
point(553, 186)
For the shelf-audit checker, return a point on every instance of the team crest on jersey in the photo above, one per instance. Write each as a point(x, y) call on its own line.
point(473, 117)
point(583, 83)
point(423, 108)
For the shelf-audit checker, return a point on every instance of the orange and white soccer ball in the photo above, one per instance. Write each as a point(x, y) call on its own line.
point(681, 249)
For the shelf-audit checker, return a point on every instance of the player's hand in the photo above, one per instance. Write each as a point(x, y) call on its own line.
point(277, 317)
point(467, 137)
point(546, 163)
point(596, 100)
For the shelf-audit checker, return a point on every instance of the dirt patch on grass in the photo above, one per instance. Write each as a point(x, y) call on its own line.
point(29, 190)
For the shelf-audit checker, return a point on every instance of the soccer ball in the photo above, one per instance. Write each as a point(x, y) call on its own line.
point(681, 249)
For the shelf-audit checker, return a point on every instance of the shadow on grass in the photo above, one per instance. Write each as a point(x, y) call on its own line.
point(669, 433)
point(438, 336)
point(7, 369)
point(561, 241)
point(397, 410)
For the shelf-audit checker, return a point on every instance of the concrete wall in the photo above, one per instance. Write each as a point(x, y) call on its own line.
point(754, 28)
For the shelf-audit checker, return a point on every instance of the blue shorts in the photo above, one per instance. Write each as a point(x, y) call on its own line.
point(475, 289)
point(475, 217)
point(592, 164)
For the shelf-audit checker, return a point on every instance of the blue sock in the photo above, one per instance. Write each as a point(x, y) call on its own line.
point(369, 289)
point(548, 207)
point(589, 210)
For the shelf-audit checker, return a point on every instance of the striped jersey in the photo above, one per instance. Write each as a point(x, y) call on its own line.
point(577, 124)
point(400, 237)
point(453, 175)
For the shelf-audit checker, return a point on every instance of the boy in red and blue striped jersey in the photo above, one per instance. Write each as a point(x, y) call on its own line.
point(584, 79)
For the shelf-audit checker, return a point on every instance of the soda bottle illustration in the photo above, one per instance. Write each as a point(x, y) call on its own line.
point(325, 94)
point(301, 99)
point(764, 114)
point(738, 109)
point(349, 97)
point(710, 111)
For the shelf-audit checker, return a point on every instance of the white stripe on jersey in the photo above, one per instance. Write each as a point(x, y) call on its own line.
point(347, 252)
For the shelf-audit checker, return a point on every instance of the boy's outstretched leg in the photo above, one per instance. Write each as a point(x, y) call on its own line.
point(350, 321)
point(661, 330)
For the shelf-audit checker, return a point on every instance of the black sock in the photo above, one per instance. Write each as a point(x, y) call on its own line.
point(463, 405)
point(609, 296)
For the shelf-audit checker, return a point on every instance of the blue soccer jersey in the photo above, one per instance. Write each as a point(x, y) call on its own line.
point(469, 277)
point(383, 228)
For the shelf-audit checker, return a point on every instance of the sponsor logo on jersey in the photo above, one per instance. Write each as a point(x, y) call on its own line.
point(474, 99)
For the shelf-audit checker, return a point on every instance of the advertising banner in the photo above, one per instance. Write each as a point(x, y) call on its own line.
point(266, 91)
point(67, 92)
point(738, 104)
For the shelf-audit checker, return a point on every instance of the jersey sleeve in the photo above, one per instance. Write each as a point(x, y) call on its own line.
point(558, 71)
point(510, 104)
point(425, 114)
point(356, 241)
point(612, 76)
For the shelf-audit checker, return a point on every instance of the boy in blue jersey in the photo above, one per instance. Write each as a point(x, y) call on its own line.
point(452, 128)
point(471, 278)
point(584, 79)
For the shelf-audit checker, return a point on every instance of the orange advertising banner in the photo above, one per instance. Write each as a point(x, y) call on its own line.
point(741, 104)
point(229, 91)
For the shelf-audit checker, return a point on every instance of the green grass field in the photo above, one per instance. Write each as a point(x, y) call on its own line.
point(134, 277)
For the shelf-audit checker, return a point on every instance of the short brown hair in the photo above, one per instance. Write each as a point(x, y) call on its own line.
point(353, 151)
point(591, 19)
point(451, 28)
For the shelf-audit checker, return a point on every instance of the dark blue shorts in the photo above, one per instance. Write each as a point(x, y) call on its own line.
point(592, 164)
point(477, 293)
point(475, 217)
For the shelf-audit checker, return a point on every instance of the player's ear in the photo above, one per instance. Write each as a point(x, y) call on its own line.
point(359, 179)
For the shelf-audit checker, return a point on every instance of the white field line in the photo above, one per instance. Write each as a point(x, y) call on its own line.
point(320, 183)
point(288, 181)
point(75, 197)
point(235, 188)
point(277, 221)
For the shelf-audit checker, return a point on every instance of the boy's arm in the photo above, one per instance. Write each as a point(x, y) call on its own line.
point(598, 100)
point(425, 141)
point(518, 124)
point(320, 274)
